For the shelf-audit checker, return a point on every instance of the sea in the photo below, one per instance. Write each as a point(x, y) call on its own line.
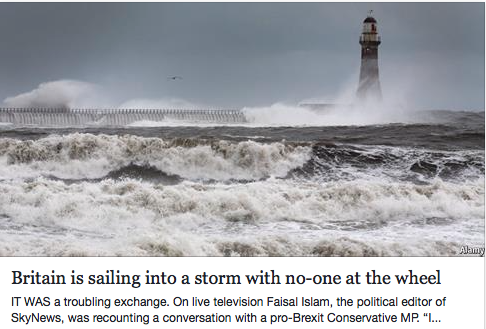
point(401, 188)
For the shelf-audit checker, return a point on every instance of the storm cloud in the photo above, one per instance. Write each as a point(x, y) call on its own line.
point(241, 54)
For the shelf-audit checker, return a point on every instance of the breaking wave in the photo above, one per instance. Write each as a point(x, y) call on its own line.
point(245, 219)
point(79, 156)
point(87, 156)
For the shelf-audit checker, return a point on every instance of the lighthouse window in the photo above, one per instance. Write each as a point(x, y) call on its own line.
point(373, 27)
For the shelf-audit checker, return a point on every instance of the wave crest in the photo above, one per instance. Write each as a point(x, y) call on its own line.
point(80, 156)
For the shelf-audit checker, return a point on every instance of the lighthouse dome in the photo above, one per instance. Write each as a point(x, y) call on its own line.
point(369, 19)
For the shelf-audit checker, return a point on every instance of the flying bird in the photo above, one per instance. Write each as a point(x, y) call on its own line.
point(176, 77)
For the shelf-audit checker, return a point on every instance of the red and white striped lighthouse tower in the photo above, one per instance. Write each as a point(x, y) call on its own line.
point(369, 81)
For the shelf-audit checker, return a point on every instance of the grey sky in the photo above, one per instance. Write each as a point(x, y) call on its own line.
point(245, 54)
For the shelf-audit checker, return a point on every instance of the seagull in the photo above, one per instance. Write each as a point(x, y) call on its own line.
point(174, 77)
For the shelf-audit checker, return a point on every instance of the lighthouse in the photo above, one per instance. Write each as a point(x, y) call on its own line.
point(369, 80)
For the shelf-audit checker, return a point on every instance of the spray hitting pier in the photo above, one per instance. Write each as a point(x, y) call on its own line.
point(113, 117)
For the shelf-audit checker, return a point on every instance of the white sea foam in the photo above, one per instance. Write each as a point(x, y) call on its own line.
point(79, 156)
point(272, 217)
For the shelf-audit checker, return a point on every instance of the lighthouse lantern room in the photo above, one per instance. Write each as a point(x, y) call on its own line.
point(369, 82)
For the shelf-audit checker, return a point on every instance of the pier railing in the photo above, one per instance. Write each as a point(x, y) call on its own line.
point(114, 117)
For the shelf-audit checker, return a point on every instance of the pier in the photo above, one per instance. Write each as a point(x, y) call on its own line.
point(114, 117)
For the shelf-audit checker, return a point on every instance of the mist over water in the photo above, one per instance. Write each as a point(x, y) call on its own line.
point(357, 115)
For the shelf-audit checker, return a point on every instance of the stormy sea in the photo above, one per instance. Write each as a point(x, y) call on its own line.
point(152, 189)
